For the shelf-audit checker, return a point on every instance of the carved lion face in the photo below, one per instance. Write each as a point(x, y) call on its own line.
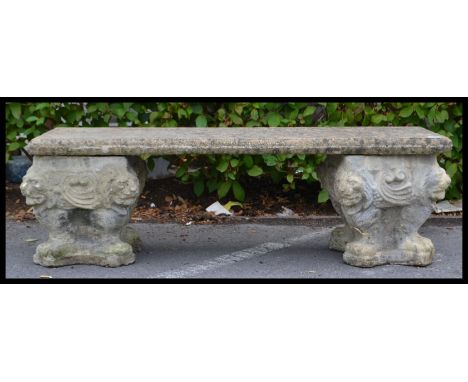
point(438, 183)
point(33, 190)
point(124, 190)
point(349, 190)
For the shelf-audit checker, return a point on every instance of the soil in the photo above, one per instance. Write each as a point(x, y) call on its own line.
point(169, 200)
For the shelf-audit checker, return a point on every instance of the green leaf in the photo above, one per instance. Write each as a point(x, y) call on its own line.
point(102, 106)
point(212, 185)
point(224, 188)
point(274, 120)
point(310, 110)
point(406, 112)
point(290, 178)
point(116, 108)
point(14, 146)
point(452, 169)
point(181, 171)
point(15, 109)
point(456, 142)
point(248, 161)
point(323, 196)
point(31, 118)
point(254, 114)
point(234, 162)
point(91, 109)
point(153, 116)
point(331, 107)
point(378, 118)
point(442, 116)
point(197, 108)
point(238, 190)
point(270, 160)
point(236, 119)
point(181, 113)
point(231, 204)
point(238, 108)
point(131, 116)
point(255, 171)
point(419, 111)
point(42, 105)
point(199, 187)
point(222, 166)
point(11, 136)
point(252, 124)
point(201, 121)
point(151, 164)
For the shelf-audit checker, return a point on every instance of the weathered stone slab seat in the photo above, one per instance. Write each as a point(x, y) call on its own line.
point(294, 140)
point(383, 181)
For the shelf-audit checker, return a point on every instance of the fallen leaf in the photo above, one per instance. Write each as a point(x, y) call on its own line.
point(181, 200)
point(230, 204)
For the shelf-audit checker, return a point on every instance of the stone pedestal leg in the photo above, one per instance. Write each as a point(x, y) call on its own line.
point(85, 203)
point(383, 200)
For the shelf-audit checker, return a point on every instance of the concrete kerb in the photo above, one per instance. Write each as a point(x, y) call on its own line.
point(314, 220)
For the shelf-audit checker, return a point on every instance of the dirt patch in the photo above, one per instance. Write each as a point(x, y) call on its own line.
point(15, 204)
point(169, 200)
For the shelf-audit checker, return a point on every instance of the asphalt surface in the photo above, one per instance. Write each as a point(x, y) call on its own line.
point(234, 251)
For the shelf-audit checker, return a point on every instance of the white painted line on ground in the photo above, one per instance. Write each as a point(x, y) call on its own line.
point(234, 257)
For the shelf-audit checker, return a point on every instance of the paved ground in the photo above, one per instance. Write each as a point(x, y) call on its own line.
point(234, 251)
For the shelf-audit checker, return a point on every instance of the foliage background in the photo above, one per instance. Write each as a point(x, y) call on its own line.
point(224, 174)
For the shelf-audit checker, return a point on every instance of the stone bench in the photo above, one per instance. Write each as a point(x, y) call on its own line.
point(383, 181)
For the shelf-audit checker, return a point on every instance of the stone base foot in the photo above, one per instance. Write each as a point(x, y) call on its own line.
point(339, 237)
point(417, 250)
point(85, 203)
point(383, 200)
point(130, 236)
point(52, 254)
point(417, 253)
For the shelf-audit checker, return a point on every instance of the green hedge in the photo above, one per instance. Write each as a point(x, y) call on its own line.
point(224, 174)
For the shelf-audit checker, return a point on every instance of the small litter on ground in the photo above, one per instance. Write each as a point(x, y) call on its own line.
point(218, 209)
